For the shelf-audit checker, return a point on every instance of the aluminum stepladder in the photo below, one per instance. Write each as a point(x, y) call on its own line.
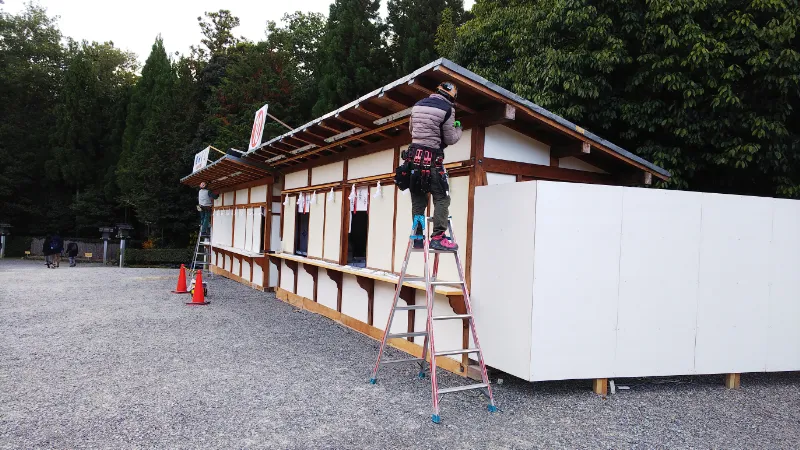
point(428, 348)
point(201, 260)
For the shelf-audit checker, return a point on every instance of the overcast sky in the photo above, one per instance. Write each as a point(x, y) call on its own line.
point(135, 25)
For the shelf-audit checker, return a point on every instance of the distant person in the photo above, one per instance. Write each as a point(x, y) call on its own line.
point(56, 248)
point(72, 252)
point(46, 251)
point(205, 200)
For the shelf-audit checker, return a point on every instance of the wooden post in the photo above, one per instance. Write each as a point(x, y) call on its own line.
point(732, 380)
point(600, 386)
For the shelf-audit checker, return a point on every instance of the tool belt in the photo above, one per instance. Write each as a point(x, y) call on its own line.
point(419, 166)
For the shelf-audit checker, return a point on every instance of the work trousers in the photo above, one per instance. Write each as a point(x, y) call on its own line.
point(441, 204)
point(205, 218)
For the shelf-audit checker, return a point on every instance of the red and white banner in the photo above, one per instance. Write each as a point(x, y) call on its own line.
point(258, 128)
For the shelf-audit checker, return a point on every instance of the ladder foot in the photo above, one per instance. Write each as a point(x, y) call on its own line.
point(373, 381)
point(421, 375)
point(435, 418)
point(492, 408)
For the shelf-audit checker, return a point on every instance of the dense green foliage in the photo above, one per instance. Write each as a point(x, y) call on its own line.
point(157, 256)
point(705, 88)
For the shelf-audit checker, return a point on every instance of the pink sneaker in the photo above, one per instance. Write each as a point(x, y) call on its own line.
point(442, 242)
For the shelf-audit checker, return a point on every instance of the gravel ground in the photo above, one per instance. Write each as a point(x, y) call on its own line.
point(107, 357)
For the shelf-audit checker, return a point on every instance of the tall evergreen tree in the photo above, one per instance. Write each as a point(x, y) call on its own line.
point(353, 54)
point(413, 25)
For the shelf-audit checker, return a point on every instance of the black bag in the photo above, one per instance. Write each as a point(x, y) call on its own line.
point(402, 176)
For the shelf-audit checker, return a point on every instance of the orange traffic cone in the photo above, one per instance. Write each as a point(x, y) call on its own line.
point(181, 288)
point(199, 297)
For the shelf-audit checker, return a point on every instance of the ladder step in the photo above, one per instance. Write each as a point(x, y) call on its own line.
point(201, 262)
point(410, 307)
point(405, 335)
point(462, 388)
point(398, 361)
point(447, 283)
point(452, 316)
point(413, 279)
point(462, 351)
point(421, 250)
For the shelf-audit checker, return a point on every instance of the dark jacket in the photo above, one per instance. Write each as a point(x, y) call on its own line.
point(46, 251)
point(72, 249)
point(56, 244)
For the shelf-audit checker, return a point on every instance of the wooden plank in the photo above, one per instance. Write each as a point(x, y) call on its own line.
point(733, 380)
point(312, 188)
point(571, 149)
point(345, 231)
point(547, 172)
point(600, 386)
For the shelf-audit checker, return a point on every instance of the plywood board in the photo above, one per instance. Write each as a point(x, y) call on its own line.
point(327, 291)
point(221, 229)
point(402, 232)
point(500, 178)
point(502, 277)
point(384, 296)
point(258, 232)
point(258, 194)
point(227, 198)
point(273, 274)
point(248, 232)
point(295, 179)
point(228, 263)
point(732, 313)
point(289, 215)
point(381, 225)
point(305, 283)
point(275, 234)
point(287, 278)
point(333, 227)
point(459, 204)
point(316, 225)
point(240, 228)
point(373, 164)
point(354, 299)
point(246, 270)
point(504, 143)
point(659, 263)
point(576, 280)
point(577, 164)
point(241, 197)
point(329, 173)
point(461, 150)
point(783, 332)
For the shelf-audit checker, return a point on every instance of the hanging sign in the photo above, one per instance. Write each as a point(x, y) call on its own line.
point(200, 159)
point(258, 128)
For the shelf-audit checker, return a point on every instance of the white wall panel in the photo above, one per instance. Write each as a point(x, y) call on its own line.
point(296, 179)
point(659, 265)
point(248, 231)
point(500, 178)
point(577, 164)
point(576, 277)
point(329, 173)
point(447, 333)
point(459, 204)
point(258, 274)
point(258, 232)
point(275, 234)
point(384, 296)
point(287, 277)
point(229, 263)
point(305, 283)
point(504, 143)
point(290, 212)
point(218, 201)
point(327, 292)
point(373, 164)
point(273, 274)
point(221, 229)
point(239, 225)
point(403, 231)
point(354, 299)
point(241, 197)
point(783, 334)
point(461, 150)
point(236, 266)
point(502, 277)
point(258, 194)
point(246, 269)
point(381, 224)
point(227, 198)
point(734, 282)
point(316, 225)
point(333, 226)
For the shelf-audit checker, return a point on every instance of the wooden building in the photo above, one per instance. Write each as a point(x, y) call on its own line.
point(314, 214)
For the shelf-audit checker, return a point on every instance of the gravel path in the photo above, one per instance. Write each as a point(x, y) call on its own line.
point(107, 357)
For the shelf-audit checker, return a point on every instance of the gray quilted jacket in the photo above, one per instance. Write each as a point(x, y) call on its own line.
point(427, 117)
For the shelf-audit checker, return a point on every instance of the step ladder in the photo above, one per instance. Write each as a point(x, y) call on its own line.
point(428, 348)
point(202, 253)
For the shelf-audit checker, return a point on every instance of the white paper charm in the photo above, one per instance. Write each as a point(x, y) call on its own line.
point(331, 196)
point(286, 201)
point(314, 198)
point(377, 193)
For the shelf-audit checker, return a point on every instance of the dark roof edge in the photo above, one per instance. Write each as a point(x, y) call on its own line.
point(236, 159)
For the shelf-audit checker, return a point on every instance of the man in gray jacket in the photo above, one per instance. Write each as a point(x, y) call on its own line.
point(433, 127)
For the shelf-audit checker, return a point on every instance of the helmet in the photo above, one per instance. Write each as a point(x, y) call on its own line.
point(447, 89)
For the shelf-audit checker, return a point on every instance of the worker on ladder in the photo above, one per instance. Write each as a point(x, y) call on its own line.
point(205, 200)
point(433, 127)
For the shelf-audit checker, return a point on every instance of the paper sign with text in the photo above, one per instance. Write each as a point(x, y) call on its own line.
point(200, 159)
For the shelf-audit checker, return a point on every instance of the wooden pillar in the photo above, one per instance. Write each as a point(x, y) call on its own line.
point(600, 386)
point(732, 380)
point(477, 177)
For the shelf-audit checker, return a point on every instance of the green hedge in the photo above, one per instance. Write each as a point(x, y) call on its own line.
point(158, 256)
point(17, 245)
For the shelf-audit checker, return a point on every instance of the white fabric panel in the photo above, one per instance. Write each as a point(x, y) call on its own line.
point(327, 292)
point(246, 269)
point(459, 204)
point(502, 280)
point(240, 228)
point(577, 164)
point(248, 229)
point(500, 178)
point(384, 296)
point(316, 225)
point(287, 277)
point(333, 226)
point(783, 332)
point(258, 232)
point(576, 273)
point(273, 274)
point(296, 179)
point(258, 274)
point(329, 173)
point(241, 196)
point(218, 201)
point(381, 226)
point(275, 234)
point(504, 143)
point(659, 262)
point(221, 229)
point(305, 283)
point(258, 194)
point(235, 266)
point(732, 314)
point(290, 213)
point(355, 302)
point(229, 263)
point(461, 151)
point(373, 164)
point(227, 198)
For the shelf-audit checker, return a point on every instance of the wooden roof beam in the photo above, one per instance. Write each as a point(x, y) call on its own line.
point(416, 85)
point(572, 149)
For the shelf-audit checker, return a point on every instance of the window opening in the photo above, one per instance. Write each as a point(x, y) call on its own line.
point(301, 225)
point(359, 227)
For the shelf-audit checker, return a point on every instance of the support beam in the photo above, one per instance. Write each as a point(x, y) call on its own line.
point(572, 149)
point(501, 114)
point(314, 272)
point(732, 380)
point(546, 172)
point(600, 386)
